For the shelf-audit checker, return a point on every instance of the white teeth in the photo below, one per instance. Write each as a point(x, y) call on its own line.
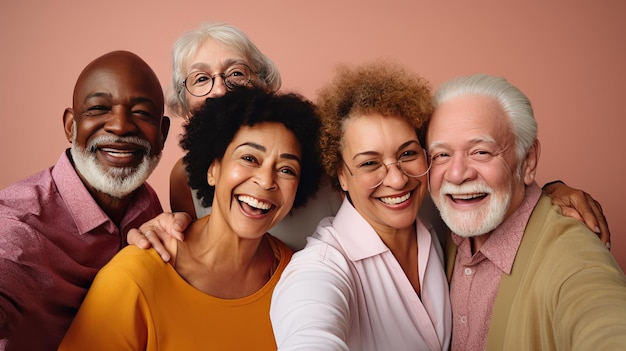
point(254, 202)
point(395, 200)
point(115, 152)
point(466, 196)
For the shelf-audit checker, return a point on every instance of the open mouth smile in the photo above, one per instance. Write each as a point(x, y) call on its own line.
point(254, 206)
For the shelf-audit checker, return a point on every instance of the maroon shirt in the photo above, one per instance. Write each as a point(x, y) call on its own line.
point(53, 240)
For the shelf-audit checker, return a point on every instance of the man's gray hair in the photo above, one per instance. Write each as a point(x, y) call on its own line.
point(515, 104)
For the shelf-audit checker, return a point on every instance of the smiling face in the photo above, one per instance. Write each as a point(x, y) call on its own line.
point(392, 205)
point(256, 180)
point(476, 180)
point(213, 57)
point(116, 126)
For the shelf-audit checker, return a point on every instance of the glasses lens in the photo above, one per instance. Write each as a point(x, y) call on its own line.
point(198, 83)
point(237, 75)
point(414, 165)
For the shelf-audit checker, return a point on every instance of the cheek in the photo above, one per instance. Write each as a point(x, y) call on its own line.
point(289, 189)
point(499, 177)
point(435, 176)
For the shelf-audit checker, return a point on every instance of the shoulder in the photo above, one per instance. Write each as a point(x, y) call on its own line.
point(28, 194)
point(322, 253)
point(136, 264)
point(562, 246)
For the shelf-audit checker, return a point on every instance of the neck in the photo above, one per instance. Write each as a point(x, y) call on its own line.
point(114, 207)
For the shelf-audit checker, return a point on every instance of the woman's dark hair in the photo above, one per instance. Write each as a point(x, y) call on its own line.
point(213, 127)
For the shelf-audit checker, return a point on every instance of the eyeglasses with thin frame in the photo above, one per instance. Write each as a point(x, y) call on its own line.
point(372, 173)
point(199, 83)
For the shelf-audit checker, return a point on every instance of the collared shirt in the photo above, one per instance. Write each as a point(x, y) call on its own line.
point(53, 240)
point(476, 278)
point(346, 291)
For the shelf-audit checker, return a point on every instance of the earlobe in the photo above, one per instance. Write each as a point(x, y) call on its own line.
point(342, 179)
point(68, 124)
point(532, 160)
point(211, 173)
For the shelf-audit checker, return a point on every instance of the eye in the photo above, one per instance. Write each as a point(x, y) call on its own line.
point(409, 155)
point(481, 155)
point(97, 110)
point(235, 72)
point(250, 159)
point(440, 158)
point(199, 79)
point(237, 75)
point(369, 165)
point(287, 172)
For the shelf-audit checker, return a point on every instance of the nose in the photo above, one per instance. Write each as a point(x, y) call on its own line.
point(219, 87)
point(120, 122)
point(265, 178)
point(459, 170)
point(394, 178)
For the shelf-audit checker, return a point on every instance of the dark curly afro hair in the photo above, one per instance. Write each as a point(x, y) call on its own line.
point(213, 127)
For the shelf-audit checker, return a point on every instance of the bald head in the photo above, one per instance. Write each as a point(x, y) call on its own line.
point(127, 68)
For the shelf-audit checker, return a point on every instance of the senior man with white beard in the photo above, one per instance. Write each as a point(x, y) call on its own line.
point(523, 277)
point(60, 226)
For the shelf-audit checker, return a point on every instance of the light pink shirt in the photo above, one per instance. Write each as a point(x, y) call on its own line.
point(346, 291)
point(53, 240)
point(476, 278)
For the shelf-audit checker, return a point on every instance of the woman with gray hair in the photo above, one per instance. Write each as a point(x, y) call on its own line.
point(208, 62)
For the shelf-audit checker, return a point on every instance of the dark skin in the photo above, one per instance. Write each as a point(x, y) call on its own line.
point(117, 94)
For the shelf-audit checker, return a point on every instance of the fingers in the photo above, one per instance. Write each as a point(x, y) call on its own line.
point(181, 221)
point(135, 237)
point(596, 221)
point(157, 245)
point(605, 234)
point(571, 212)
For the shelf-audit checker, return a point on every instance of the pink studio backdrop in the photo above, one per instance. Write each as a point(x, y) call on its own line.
point(568, 56)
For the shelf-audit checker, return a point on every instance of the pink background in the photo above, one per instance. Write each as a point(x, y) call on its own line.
point(569, 57)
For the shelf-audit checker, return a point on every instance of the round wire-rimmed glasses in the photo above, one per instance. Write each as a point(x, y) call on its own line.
point(372, 173)
point(199, 83)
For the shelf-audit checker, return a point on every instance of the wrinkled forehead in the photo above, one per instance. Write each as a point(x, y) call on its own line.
point(468, 118)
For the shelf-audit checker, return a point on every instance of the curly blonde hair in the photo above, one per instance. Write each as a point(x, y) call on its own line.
point(380, 87)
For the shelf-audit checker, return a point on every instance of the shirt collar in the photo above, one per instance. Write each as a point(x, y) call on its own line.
point(357, 237)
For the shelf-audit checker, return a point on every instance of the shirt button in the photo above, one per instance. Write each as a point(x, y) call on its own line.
point(468, 271)
point(464, 319)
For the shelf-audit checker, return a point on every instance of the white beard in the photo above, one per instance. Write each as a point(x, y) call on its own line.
point(116, 182)
point(473, 222)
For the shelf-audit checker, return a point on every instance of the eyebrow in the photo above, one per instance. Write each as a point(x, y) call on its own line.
point(471, 142)
point(373, 153)
point(134, 100)
point(97, 94)
point(264, 149)
point(227, 63)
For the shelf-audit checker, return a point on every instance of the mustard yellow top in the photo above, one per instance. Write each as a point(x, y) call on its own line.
point(139, 302)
